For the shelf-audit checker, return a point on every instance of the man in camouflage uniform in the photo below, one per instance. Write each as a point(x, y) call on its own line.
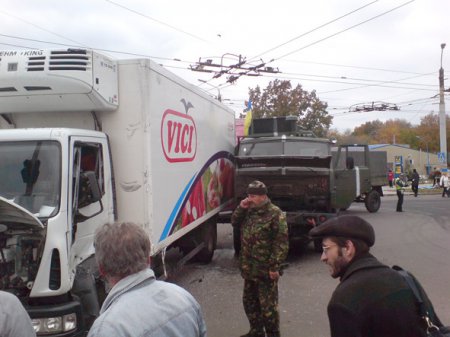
point(264, 246)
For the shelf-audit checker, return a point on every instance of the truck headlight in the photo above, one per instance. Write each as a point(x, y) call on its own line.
point(50, 325)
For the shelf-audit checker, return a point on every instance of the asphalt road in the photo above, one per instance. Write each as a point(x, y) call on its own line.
point(417, 239)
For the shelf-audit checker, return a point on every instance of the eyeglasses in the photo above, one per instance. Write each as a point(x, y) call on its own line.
point(325, 249)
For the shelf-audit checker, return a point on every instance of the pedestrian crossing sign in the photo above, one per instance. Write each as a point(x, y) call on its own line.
point(441, 157)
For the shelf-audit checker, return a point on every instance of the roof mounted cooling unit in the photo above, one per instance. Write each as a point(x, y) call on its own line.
point(57, 80)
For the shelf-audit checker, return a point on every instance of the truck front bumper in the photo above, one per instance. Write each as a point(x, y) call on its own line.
point(58, 320)
point(300, 223)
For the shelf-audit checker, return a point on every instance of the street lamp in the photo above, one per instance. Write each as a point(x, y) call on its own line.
point(442, 116)
point(428, 154)
point(219, 97)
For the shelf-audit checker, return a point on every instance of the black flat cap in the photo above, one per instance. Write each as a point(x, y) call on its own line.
point(346, 226)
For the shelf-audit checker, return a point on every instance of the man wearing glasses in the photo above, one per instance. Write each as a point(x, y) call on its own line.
point(371, 298)
point(264, 247)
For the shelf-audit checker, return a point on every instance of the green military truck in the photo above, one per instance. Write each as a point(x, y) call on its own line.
point(309, 178)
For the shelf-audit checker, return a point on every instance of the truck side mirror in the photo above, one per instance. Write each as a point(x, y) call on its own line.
point(349, 163)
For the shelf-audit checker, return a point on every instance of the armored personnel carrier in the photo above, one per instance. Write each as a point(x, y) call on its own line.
point(309, 178)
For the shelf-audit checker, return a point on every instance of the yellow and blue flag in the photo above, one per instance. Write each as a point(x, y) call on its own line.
point(248, 118)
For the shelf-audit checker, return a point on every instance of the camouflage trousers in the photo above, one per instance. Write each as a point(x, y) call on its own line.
point(261, 306)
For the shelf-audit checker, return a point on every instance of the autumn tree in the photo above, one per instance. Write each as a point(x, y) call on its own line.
point(398, 131)
point(428, 132)
point(395, 131)
point(346, 137)
point(280, 99)
point(368, 131)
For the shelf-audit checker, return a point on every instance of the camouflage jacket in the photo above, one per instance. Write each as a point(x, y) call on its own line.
point(264, 239)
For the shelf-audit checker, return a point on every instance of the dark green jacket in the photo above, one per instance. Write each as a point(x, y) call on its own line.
point(264, 239)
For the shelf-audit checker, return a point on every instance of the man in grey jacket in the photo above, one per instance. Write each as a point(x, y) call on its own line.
point(138, 304)
point(14, 320)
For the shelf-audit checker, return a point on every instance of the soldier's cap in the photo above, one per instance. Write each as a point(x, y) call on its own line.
point(257, 187)
point(345, 226)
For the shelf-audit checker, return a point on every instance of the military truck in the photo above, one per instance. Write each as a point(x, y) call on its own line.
point(309, 178)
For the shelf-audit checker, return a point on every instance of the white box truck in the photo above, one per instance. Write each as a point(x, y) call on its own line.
point(86, 140)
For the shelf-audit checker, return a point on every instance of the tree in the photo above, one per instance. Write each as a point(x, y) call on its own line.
point(428, 131)
point(346, 137)
point(398, 131)
point(368, 130)
point(280, 99)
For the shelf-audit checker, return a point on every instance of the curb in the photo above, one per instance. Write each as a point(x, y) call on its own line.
point(422, 191)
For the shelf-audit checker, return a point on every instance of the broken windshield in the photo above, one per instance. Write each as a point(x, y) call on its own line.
point(31, 175)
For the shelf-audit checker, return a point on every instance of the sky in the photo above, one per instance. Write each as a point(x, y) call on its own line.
point(351, 52)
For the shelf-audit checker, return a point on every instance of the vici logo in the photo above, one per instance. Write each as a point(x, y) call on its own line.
point(178, 136)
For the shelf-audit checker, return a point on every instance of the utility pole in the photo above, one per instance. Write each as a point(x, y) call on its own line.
point(442, 115)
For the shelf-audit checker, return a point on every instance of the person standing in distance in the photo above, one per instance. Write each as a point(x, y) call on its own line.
point(400, 185)
point(390, 178)
point(138, 304)
point(415, 182)
point(444, 183)
point(264, 247)
point(371, 298)
point(14, 320)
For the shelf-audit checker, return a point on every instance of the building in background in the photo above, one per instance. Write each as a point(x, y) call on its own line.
point(401, 158)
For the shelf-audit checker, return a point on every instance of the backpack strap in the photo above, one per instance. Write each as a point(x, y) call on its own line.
point(414, 288)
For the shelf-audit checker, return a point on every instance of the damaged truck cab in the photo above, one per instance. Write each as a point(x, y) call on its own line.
point(47, 218)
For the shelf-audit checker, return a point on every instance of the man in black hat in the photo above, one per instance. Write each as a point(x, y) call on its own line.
point(371, 298)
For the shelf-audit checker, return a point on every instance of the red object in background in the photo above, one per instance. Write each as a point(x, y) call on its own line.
point(390, 176)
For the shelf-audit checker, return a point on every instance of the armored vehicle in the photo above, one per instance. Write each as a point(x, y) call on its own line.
point(307, 177)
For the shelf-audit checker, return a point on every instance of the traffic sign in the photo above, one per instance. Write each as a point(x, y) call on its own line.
point(441, 157)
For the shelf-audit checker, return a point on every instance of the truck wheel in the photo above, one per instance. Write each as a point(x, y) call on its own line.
point(207, 235)
point(373, 201)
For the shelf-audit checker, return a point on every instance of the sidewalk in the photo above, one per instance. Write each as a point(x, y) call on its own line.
point(423, 189)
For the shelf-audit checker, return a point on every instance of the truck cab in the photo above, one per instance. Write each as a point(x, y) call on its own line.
point(63, 201)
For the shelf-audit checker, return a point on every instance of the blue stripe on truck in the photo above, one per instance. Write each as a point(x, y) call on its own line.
point(175, 210)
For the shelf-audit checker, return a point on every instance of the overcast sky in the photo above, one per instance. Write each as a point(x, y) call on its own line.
point(352, 52)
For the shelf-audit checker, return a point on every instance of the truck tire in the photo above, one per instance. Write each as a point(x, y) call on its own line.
point(208, 235)
point(373, 201)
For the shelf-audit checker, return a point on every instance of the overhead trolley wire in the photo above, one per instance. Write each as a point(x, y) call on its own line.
point(37, 26)
point(313, 30)
point(344, 30)
point(156, 20)
point(99, 49)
